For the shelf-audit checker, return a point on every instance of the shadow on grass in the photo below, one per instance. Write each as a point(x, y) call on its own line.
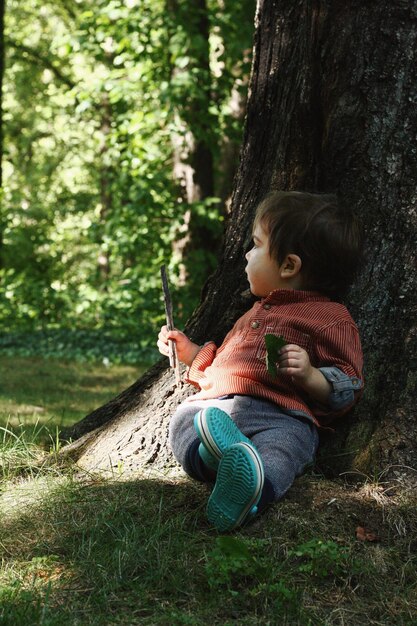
point(136, 552)
point(103, 548)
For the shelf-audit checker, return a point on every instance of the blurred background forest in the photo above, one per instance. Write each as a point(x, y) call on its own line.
point(121, 122)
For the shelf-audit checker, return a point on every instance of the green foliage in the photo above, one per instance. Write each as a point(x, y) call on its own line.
point(321, 558)
point(248, 568)
point(95, 96)
point(229, 559)
point(112, 345)
point(242, 566)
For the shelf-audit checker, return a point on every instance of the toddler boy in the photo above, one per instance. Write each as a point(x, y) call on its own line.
point(246, 430)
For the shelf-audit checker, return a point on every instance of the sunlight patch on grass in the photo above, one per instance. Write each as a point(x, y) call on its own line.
point(15, 410)
point(19, 495)
point(57, 393)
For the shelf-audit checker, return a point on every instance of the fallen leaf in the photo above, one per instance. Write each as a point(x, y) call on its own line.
point(364, 534)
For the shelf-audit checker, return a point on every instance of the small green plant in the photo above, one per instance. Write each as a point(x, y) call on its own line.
point(230, 559)
point(281, 597)
point(243, 567)
point(320, 558)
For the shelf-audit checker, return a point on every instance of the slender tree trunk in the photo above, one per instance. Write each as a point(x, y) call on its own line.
point(103, 259)
point(331, 108)
point(193, 145)
point(193, 152)
point(2, 12)
point(229, 152)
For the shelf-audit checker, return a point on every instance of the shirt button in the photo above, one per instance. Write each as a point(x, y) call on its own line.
point(267, 307)
point(255, 325)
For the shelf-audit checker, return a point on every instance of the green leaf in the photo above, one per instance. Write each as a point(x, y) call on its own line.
point(233, 547)
point(273, 343)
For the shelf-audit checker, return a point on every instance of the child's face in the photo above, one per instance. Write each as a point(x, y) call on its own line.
point(263, 272)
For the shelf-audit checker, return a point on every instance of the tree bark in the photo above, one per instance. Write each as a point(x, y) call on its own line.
point(331, 108)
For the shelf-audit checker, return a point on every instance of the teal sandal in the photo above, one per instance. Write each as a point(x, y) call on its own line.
point(238, 488)
point(217, 432)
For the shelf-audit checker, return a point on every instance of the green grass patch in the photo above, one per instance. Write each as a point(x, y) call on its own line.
point(39, 395)
point(79, 550)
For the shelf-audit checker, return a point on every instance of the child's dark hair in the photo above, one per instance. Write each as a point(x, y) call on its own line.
point(327, 238)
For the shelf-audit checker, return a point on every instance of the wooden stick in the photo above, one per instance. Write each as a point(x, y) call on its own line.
point(173, 356)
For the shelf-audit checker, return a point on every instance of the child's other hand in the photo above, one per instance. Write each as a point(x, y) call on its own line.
point(295, 362)
point(186, 349)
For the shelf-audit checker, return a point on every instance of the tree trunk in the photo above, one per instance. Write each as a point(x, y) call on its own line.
point(193, 154)
point(331, 108)
point(105, 175)
point(2, 11)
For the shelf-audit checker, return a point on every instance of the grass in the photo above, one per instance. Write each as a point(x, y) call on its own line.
point(38, 395)
point(77, 549)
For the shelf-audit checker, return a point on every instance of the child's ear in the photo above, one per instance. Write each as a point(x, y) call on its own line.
point(291, 266)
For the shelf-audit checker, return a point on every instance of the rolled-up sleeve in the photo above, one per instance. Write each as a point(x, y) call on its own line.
point(344, 388)
point(340, 360)
point(205, 357)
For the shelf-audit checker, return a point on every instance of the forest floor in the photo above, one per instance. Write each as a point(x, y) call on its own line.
point(80, 549)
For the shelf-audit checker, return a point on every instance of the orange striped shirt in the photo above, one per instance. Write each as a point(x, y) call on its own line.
point(323, 328)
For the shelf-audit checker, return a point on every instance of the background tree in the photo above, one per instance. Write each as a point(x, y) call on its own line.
point(92, 207)
point(331, 108)
point(201, 32)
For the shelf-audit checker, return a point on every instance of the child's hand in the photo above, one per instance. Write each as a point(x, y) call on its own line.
point(186, 349)
point(295, 362)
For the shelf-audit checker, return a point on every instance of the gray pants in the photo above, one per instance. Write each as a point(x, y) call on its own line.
point(286, 444)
